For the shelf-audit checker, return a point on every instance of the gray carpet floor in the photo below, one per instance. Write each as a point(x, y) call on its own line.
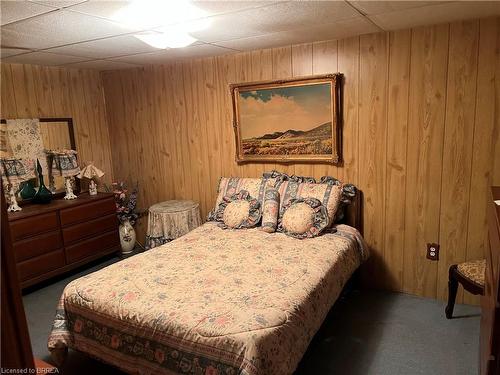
point(366, 332)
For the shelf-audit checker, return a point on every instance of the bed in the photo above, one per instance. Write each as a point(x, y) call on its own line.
point(212, 302)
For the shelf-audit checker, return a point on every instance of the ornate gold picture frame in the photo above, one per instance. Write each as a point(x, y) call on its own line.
point(286, 121)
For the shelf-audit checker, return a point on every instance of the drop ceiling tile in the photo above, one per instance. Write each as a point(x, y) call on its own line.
point(260, 42)
point(58, 28)
point(282, 16)
point(107, 9)
point(221, 7)
point(109, 47)
point(337, 30)
point(7, 52)
point(58, 3)
point(12, 11)
point(201, 50)
point(435, 14)
point(42, 58)
point(377, 7)
point(99, 8)
point(101, 65)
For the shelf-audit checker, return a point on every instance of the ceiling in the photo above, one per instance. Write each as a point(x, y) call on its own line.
point(81, 34)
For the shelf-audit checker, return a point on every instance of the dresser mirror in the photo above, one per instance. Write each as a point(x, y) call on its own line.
point(29, 139)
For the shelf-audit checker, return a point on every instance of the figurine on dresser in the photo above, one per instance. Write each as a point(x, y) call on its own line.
point(68, 185)
point(91, 172)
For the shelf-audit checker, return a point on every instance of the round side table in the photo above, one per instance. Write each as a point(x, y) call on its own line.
point(170, 220)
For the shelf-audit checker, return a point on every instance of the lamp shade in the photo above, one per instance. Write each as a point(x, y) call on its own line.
point(64, 162)
point(14, 170)
point(90, 171)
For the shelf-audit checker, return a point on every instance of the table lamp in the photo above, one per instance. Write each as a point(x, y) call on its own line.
point(65, 164)
point(14, 171)
point(90, 171)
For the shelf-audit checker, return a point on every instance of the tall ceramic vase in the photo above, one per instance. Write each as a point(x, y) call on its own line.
point(127, 237)
point(43, 195)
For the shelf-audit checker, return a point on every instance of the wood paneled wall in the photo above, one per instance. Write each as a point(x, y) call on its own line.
point(30, 91)
point(421, 124)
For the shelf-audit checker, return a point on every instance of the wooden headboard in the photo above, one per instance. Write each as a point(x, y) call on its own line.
point(353, 214)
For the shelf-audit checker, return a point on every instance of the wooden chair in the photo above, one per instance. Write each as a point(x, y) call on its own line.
point(470, 275)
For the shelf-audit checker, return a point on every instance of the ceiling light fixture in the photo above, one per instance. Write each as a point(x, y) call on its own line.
point(166, 40)
point(173, 20)
point(147, 14)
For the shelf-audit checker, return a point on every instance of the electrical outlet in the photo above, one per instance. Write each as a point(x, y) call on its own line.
point(433, 251)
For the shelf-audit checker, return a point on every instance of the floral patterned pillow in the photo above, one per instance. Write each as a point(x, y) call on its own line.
point(328, 194)
point(280, 177)
point(349, 191)
point(270, 210)
point(229, 186)
point(238, 211)
point(303, 218)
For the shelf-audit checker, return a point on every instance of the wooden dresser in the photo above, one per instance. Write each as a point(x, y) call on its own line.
point(57, 237)
point(490, 302)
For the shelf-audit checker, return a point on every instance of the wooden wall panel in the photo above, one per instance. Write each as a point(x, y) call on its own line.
point(23, 90)
point(397, 139)
point(417, 139)
point(214, 131)
point(426, 113)
point(43, 91)
point(348, 64)
point(30, 91)
point(325, 60)
point(372, 145)
point(59, 83)
point(457, 148)
point(8, 100)
point(302, 65)
point(201, 110)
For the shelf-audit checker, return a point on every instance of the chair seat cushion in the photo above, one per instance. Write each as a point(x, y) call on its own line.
point(473, 271)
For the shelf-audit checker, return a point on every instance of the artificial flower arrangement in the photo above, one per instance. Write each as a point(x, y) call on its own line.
point(126, 202)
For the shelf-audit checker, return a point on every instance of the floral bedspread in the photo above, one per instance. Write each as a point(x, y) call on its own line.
point(211, 302)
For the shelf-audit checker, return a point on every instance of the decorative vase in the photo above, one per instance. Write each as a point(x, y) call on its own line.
point(27, 191)
point(43, 195)
point(127, 237)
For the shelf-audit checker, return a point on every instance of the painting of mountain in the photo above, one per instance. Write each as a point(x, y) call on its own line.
point(287, 120)
point(317, 141)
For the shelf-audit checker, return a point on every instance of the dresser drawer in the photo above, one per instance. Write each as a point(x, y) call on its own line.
point(33, 225)
point(40, 265)
point(37, 245)
point(92, 246)
point(88, 211)
point(90, 228)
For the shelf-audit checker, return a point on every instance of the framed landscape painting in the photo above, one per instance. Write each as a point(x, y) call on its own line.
point(295, 120)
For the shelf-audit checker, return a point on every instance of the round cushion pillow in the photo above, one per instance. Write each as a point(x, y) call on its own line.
point(303, 218)
point(238, 211)
point(235, 213)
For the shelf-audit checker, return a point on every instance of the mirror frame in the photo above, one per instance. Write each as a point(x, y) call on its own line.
point(72, 143)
